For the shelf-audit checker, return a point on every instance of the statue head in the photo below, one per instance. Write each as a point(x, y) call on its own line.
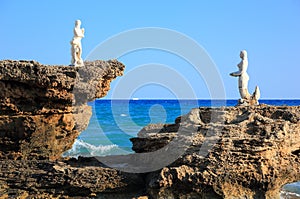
point(243, 54)
point(77, 22)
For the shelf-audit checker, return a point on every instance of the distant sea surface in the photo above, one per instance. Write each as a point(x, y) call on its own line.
point(114, 122)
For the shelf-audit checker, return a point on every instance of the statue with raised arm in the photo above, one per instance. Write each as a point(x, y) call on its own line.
point(246, 98)
point(76, 49)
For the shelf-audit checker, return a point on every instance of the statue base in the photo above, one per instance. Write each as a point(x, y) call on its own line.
point(247, 102)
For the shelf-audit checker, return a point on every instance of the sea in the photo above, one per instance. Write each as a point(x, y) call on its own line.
point(114, 122)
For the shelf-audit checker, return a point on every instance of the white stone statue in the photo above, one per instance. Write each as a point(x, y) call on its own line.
point(246, 98)
point(76, 49)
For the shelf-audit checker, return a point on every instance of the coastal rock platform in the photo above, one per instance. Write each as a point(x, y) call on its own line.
point(254, 151)
point(225, 152)
point(73, 178)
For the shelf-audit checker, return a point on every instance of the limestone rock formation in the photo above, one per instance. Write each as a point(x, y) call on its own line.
point(43, 108)
point(82, 178)
point(256, 151)
point(226, 152)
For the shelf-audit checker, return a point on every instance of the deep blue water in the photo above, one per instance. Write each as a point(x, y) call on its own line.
point(115, 121)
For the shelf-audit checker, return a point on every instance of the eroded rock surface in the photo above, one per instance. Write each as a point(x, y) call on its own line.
point(43, 108)
point(251, 151)
point(82, 178)
point(42, 111)
point(255, 151)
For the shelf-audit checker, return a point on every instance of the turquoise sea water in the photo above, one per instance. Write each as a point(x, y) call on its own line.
point(114, 122)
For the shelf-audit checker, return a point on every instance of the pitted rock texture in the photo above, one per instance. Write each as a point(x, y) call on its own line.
point(43, 108)
point(83, 178)
point(228, 152)
point(251, 152)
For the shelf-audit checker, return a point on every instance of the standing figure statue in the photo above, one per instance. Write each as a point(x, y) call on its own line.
point(76, 49)
point(246, 98)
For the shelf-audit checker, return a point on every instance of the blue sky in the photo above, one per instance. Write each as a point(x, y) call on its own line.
point(269, 30)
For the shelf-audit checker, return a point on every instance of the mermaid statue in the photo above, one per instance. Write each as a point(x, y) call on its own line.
point(246, 98)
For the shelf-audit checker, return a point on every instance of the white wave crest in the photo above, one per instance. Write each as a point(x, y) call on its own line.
point(289, 195)
point(83, 148)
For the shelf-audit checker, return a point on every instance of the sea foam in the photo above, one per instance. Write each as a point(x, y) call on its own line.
point(81, 147)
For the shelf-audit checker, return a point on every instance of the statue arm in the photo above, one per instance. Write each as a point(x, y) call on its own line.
point(243, 65)
point(79, 32)
point(236, 74)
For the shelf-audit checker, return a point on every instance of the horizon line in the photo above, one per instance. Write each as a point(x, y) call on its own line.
point(189, 99)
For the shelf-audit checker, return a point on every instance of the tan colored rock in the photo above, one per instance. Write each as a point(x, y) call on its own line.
point(84, 178)
point(229, 152)
point(43, 108)
point(256, 152)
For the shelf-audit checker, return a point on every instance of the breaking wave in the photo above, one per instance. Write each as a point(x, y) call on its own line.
point(82, 148)
point(289, 195)
point(290, 191)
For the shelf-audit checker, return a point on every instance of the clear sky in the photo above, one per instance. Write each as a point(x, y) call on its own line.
point(269, 30)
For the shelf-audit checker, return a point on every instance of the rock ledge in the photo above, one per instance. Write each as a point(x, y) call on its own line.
point(43, 108)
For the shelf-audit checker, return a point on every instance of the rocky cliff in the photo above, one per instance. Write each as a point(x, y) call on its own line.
point(43, 108)
point(226, 152)
point(251, 152)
